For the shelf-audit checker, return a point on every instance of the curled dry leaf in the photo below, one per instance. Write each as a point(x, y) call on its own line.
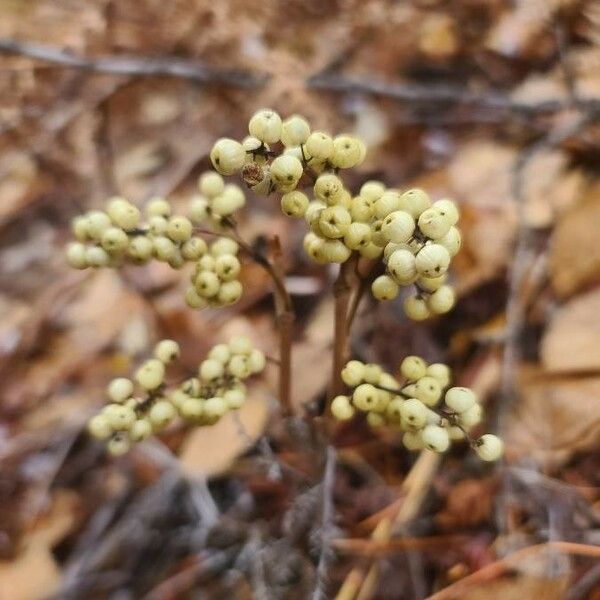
point(570, 344)
point(553, 418)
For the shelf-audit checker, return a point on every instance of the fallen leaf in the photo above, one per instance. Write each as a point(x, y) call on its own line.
point(570, 343)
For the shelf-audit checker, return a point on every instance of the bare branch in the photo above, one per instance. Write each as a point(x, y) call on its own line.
point(131, 65)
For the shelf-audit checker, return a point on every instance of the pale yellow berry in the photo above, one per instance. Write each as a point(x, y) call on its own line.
point(164, 248)
point(414, 201)
point(489, 447)
point(353, 373)
point(295, 131)
point(365, 397)
point(227, 156)
point(192, 409)
point(394, 410)
point(256, 361)
point(377, 236)
point(120, 389)
point(230, 292)
point(211, 369)
point(413, 368)
point(360, 210)
point(211, 184)
point(384, 288)
point(409, 390)
point(118, 445)
point(179, 229)
point(95, 256)
point(167, 351)
point(451, 241)
point(224, 205)
point(370, 251)
point(192, 387)
point(157, 207)
point(158, 225)
point(265, 125)
point(335, 251)
point(334, 222)
point(206, 263)
point(428, 390)
point(114, 240)
point(161, 413)
point(391, 247)
point(341, 408)
point(125, 215)
point(141, 430)
point(412, 440)
point(416, 309)
point(347, 152)
point(76, 254)
point(97, 223)
point(207, 284)
point(387, 203)
point(448, 210)
point(251, 145)
point(176, 261)
point(313, 211)
point(193, 299)
point(328, 187)
point(441, 372)
point(234, 398)
point(215, 407)
point(150, 374)
point(372, 191)
point(431, 284)
point(313, 245)
point(357, 236)
point(432, 224)
point(120, 418)
point(375, 419)
point(193, 249)
point(471, 417)
point(460, 399)
point(238, 366)
point(402, 266)
point(220, 352)
point(435, 438)
point(398, 227)
point(99, 427)
point(319, 145)
point(199, 209)
point(413, 413)
point(372, 373)
point(79, 227)
point(294, 204)
point(442, 300)
point(240, 344)
point(286, 170)
point(223, 245)
point(432, 260)
point(227, 267)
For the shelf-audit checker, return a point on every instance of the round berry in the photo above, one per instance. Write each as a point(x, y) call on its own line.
point(416, 309)
point(120, 418)
point(413, 413)
point(193, 299)
point(295, 131)
point(234, 399)
point(211, 184)
point(440, 372)
point(334, 222)
point(220, 352)
point(387, 203)
point(125, 215)
point(442, 300)
point(193, 249)
point(471, 416)
point(398, 227)
point(413, 368)
point(227, 267)
point(265, 125)
point(114, 240)
point(319, 145)
point(341, 408)
point(224, 245)
point(150, 375)
point(432, 260)
point(158, 207)
point(238, 366)
point(402, 266)
point(372, 191)
point(414, 202)
point(435, 438)
point(460, 399)
point(347, 152)
point(227, 156)
point(140, 430)
point(413, 440)
point(120, 389)
point(99, 427)
point(433, 225)
point(384, 288)
point(328, 187)
point(353, 373)
point(97, 223)
point(95, 256)
point(118, 445)
point(179, 229)
point(164, 248)
point(167, 351)
point(215, 408)
point(211, 369)
point(448, 210)
point(489, 447)
point(199, 210)
point(207, 284)
point(365, 397)
point(294, 204)
point(428, 390)
point(240, 344)
point(161, 414)
point(76, 255)
point(256, 361)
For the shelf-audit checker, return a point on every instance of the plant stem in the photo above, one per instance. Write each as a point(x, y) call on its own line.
point(284, 308)
point(342, 291)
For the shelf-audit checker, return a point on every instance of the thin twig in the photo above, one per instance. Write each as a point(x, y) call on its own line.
point(132, 65)
point(326, 523)
point(342, 291)
point(363, 284)
point(506, 564)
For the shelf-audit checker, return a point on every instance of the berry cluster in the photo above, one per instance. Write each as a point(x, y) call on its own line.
point(420, 240)
point(413, 407)
point(265, 170)
point(214, 281)
point(201, 400)
point(115, 236)
point(216, 201)
point(417, 238)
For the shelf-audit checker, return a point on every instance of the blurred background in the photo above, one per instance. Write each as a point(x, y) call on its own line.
point(494, 103)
